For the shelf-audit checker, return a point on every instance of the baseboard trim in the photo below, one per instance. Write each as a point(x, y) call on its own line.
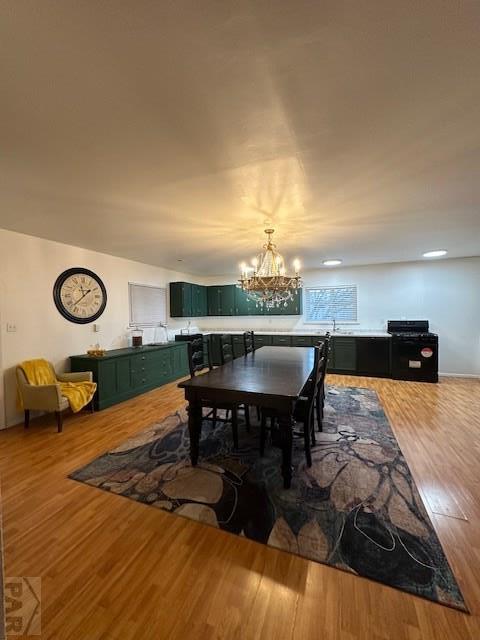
point(459, 375)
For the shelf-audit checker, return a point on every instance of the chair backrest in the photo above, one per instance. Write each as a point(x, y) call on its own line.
point(248, 342)
point(196, 356)
point(226, 348)
point(311, 390)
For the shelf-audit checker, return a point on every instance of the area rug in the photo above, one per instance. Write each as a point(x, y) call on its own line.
point(357, 508)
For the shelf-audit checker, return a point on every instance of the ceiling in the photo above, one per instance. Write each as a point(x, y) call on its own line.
point(174, 130)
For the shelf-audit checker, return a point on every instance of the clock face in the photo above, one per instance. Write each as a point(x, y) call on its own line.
point(80, 295)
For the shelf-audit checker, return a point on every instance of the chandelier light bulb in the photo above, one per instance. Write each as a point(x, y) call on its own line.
point(296, 265)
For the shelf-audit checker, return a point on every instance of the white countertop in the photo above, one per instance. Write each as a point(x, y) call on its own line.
point(352, 334)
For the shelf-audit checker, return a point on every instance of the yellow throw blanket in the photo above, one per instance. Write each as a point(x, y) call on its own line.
point(40, 372)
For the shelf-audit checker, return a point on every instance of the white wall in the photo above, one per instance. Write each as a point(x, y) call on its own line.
point(446, 292)
point(29, 267)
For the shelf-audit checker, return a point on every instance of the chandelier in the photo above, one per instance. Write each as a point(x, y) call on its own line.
point(266, 282)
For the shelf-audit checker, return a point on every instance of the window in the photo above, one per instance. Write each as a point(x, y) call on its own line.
point(325, 304)
point(147, 304)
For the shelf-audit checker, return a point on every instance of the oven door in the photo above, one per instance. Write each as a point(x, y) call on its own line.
point(414, 359)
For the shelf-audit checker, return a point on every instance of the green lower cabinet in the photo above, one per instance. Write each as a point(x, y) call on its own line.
point(262, 341)
point(304, 341)
point(281, 341)
point(124, 373)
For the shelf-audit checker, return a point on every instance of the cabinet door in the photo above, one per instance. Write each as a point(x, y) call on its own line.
point(345, 358)
point(227, 303)
point(180, 300)
point(291, 308)
point(214, 295)
point(199, 300)
point(242, 303)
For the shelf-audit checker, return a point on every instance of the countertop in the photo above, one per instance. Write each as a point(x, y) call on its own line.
point(349, 334)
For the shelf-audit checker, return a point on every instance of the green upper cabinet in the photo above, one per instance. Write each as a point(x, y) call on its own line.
point(199, 300)
point(244, 305)
point(221, 300)
point(292, 308)
point(181, 300)
point(194, 300)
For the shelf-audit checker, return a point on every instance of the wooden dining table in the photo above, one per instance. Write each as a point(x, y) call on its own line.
point(270, 378)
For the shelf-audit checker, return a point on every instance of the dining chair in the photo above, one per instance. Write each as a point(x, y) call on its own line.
point(249, 347)
point(304, 408)
point(196, 356)
point(226, 355)
point(226, 348)
point(320, 398)
point(195, 368)
point(249, 342)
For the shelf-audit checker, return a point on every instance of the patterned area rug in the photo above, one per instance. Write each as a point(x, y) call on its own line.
point(357, 508)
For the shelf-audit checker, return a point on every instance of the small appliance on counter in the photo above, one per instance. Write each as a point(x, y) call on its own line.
point(414, 351)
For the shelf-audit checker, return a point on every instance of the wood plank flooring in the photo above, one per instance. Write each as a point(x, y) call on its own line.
point(112, 568)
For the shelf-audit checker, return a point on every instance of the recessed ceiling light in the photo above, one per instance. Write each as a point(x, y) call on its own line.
point(438, 253)
point(332, 263)
point(179, 259)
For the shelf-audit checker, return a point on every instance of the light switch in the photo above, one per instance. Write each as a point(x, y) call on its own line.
point(96, 328)
point(11, 328)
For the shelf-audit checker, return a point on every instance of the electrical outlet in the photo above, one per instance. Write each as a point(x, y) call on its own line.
point(11, 328)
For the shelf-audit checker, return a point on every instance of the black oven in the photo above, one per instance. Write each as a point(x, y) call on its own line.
point(414, 351)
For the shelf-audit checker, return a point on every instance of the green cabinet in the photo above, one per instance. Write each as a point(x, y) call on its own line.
point(189, 300)
point(281, 341)
point(244, 305)
point(291, 308)
point(181, 300)
point(221, 300)
point(199, 300)
point(304, 341)
point(124, 373)
point(262, 341)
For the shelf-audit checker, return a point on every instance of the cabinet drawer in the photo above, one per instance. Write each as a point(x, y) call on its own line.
point(262, 341)
point(302, 341)
point(282, 341)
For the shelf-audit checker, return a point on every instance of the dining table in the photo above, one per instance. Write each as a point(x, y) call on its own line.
point(268, 378)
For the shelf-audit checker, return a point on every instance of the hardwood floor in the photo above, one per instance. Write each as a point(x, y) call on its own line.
point(112, 568)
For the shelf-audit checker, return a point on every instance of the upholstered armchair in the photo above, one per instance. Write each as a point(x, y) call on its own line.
point(48, 397)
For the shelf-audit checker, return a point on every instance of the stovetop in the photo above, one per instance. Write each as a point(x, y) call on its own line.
point(413, 334)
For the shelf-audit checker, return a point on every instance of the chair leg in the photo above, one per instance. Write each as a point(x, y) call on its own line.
point(312, 430)
point(263, 435)
point(92, 406)
point(319, 411)
point(235, 427)
point(306, 437)
point(247, 417)
point(258, 413)
point(27, 418)
point(214, 416)
point(59, 421)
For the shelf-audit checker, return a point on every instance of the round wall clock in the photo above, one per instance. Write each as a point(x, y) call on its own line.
point(80, 295)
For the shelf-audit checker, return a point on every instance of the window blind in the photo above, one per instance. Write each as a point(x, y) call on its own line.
point(325, 304)
point(147, 304)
